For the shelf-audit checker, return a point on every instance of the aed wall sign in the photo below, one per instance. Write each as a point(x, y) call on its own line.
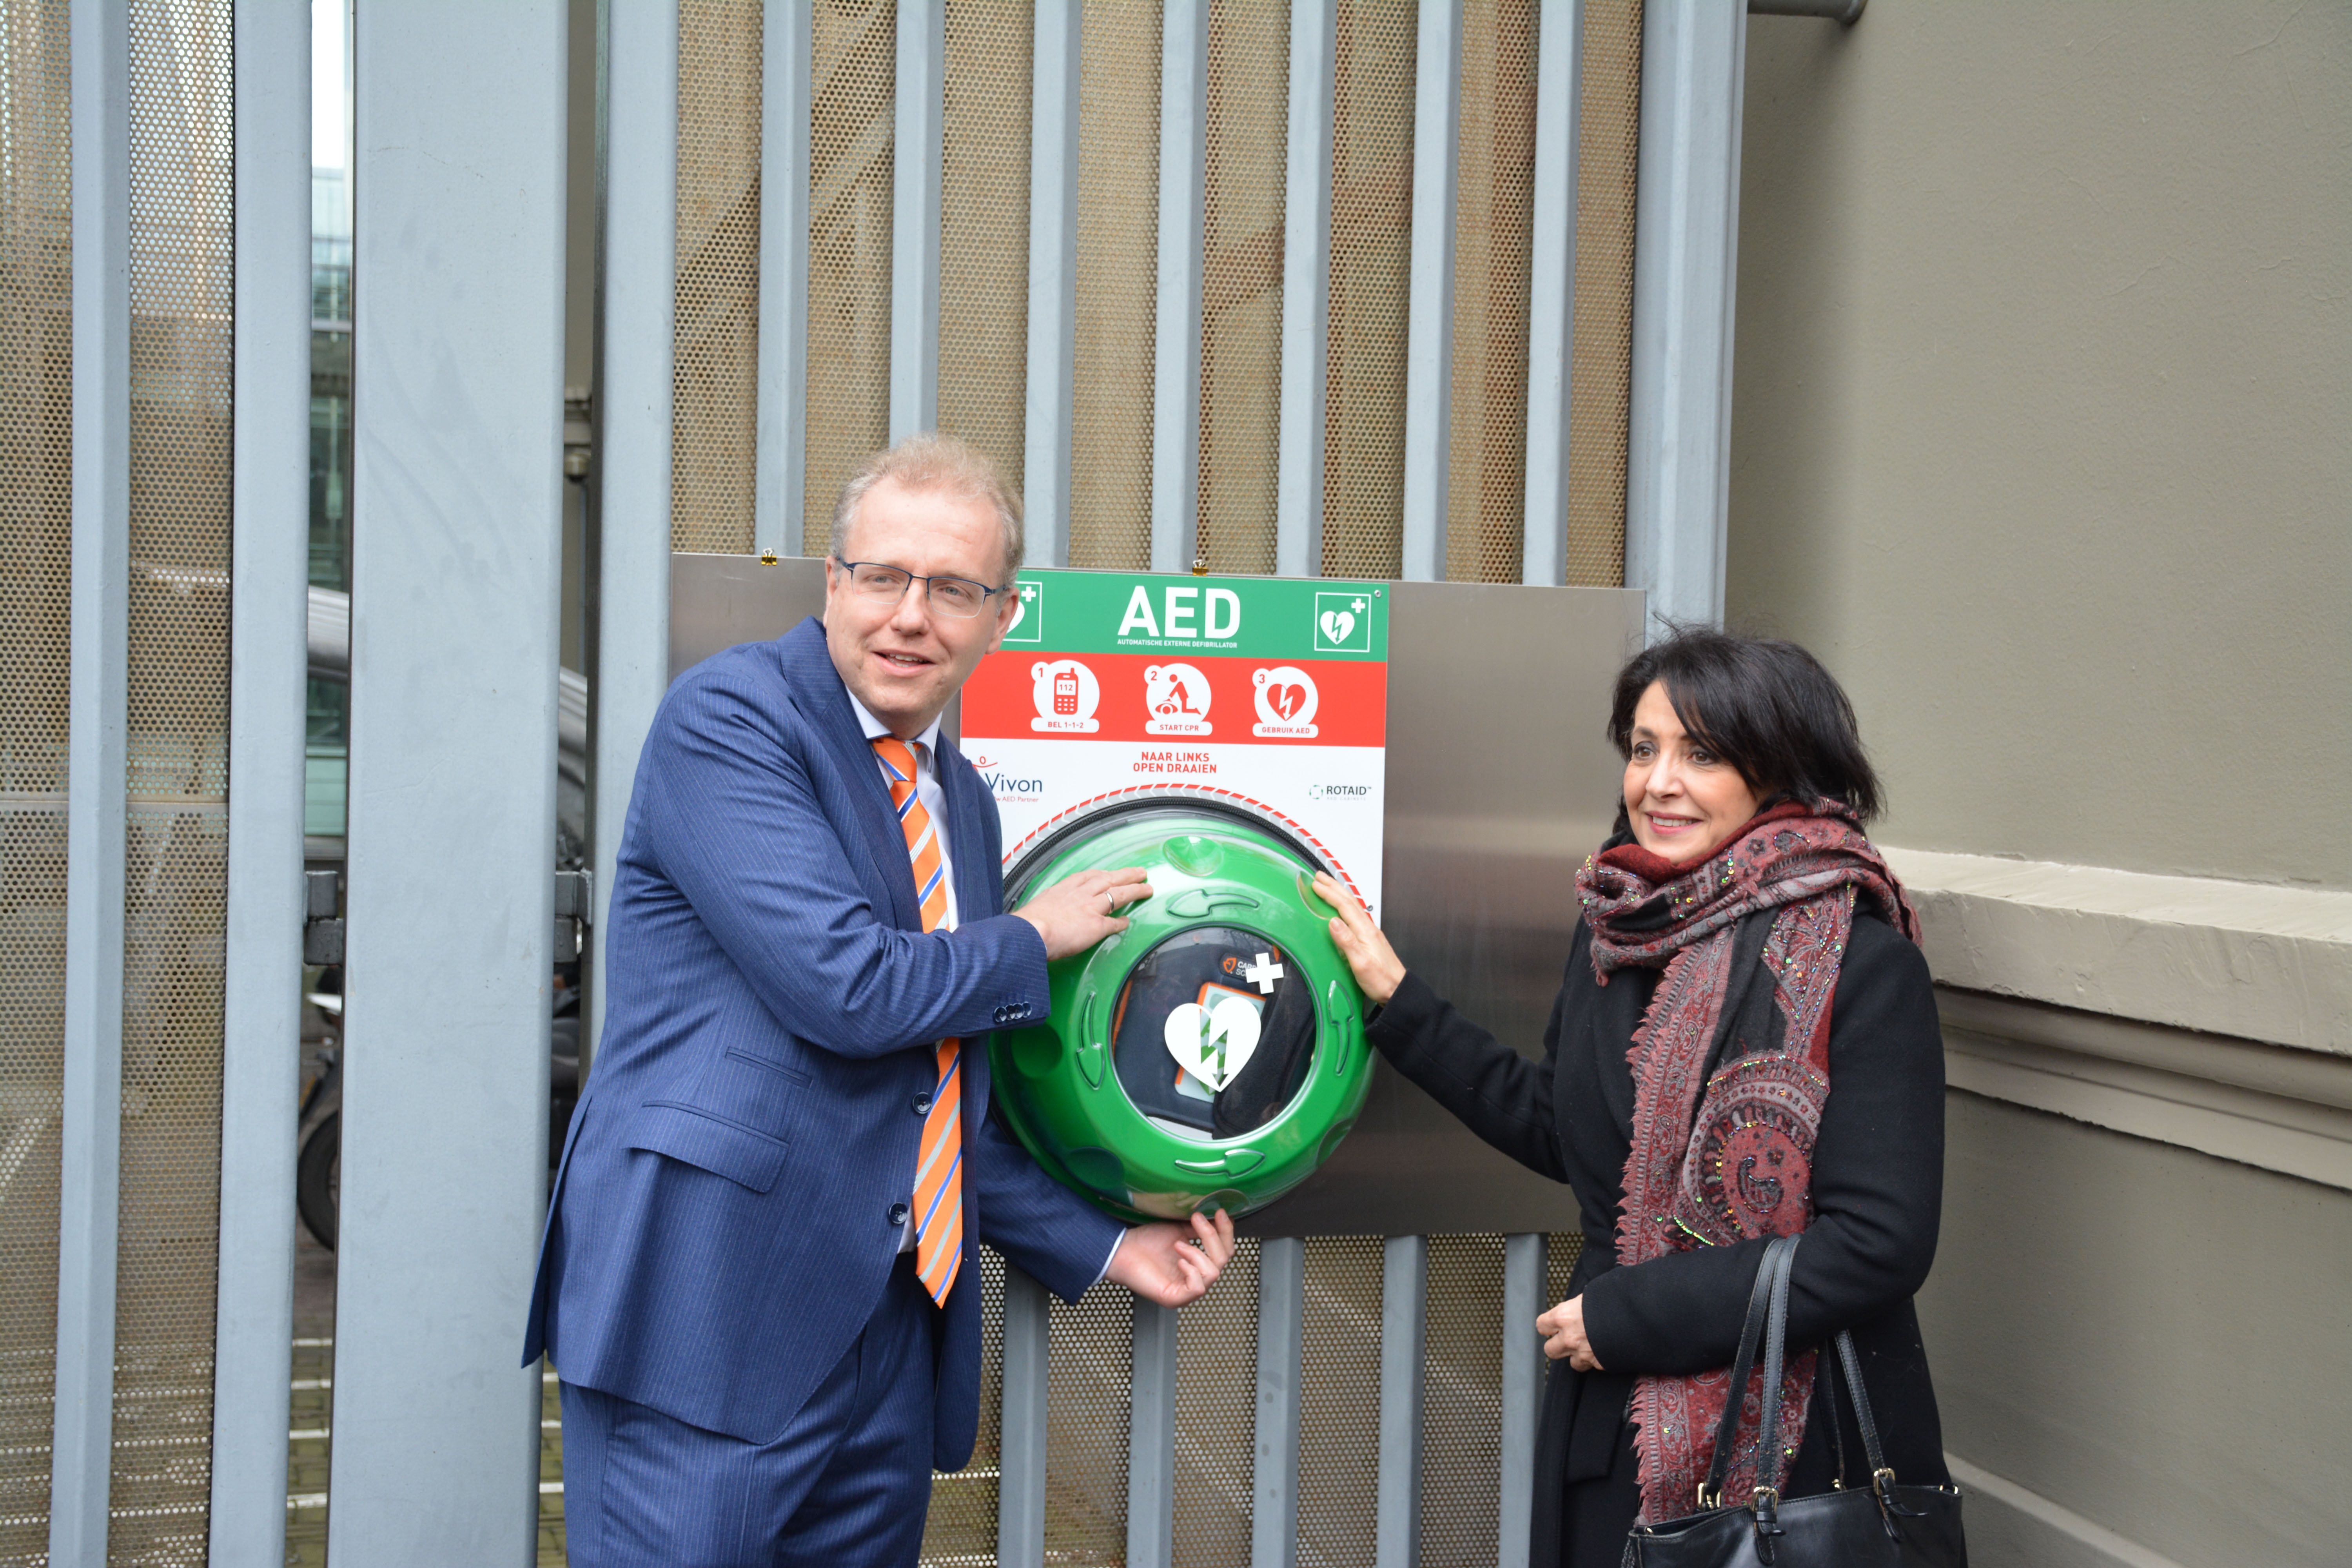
point(1273, 690)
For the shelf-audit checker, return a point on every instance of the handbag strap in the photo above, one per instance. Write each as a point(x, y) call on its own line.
point(1882, 1477)
point(1766, 1499)
point(1751, 1334)
point(1837, 1422)
point(1776, 1334)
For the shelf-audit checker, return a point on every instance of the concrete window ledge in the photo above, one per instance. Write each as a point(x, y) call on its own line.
point(2244, 960)
point(2212, 1014)
point(2262, 1105)
point(2010, 1527)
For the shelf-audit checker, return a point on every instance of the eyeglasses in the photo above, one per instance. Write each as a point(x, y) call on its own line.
point(957, 596)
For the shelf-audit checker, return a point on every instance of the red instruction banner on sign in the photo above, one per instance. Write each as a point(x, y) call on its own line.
point(1138, 696)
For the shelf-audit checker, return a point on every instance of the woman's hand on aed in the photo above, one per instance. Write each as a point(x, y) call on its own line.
point(1378, 969)
point(1173, 1265)
point(1563, 1332)
point(1079, 911)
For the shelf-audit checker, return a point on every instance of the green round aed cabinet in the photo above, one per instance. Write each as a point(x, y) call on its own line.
point(1210, 1055)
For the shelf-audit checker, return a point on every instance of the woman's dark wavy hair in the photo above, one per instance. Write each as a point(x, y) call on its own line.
point(1766, 707)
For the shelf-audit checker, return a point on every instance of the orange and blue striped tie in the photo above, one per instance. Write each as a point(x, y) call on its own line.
point(939, 1167)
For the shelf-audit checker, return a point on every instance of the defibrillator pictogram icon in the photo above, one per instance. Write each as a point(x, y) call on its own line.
point(1343, 621)
point(1028, 623)
point(1214, 1043)
point(1286, 700)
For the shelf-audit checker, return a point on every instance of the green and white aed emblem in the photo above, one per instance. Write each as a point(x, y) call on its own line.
point(1213, 1043)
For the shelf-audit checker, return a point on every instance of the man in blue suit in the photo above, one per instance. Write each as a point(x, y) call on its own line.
point(759, 1279)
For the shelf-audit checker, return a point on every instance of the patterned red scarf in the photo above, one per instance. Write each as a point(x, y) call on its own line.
point(1731, 1158)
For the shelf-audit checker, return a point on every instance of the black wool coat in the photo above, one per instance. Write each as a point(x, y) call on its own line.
point(1877, 1192)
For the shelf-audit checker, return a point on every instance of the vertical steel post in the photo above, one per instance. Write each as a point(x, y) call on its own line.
point(1151, 1438)
point(1429, 330)
point(1523, 1373)
point(1686, 270)
point(1404, 1319)
point(90, 1157)
point(1306, 291)
point(1053, 278)
point(633, 413)
point(1021, 1427)
point(1176, 326)
point(915, 217)
point(268, 653)
point(1281, 1339)
point(781, 437)
point(1552, 294)
point(459, 365)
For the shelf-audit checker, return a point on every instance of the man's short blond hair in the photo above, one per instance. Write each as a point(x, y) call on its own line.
point(936, 463)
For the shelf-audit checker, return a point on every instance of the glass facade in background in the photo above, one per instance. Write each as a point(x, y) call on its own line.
point(326, 752)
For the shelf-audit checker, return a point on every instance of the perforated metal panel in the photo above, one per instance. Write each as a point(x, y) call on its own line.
point(961, 1530)
point(180, 298)
point(310, 1422)
point(984, 229)
point(852, 122)
point(1217, 1417)
point(1241, 282)
point(1494, 215)
point(1600, 375)
point(551, 1553)
point(1371, 288)
point(1086, 1425)
point(36, 556)
point(715, 334)
point(1119, 227)
point(1461, 1422)
point(1340, 1402)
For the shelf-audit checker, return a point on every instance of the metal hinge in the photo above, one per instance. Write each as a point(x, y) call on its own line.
point(322, 928)
point(575, 905)
point(578, 431)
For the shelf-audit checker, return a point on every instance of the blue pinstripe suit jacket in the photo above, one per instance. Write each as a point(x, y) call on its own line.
point(721, 1229)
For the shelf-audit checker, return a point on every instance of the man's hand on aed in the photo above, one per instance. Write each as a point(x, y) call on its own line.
point(1173, 1265)
point(1079, 911)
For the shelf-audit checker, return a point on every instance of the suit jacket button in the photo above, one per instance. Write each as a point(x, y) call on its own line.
point(923, 1105)
point(897, 1214)
point(1003, 1015)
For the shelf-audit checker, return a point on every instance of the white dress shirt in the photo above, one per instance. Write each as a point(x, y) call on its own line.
point(935, 801)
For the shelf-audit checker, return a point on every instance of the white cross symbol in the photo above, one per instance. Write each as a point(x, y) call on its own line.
point(1264, 973)
point(1028, 592)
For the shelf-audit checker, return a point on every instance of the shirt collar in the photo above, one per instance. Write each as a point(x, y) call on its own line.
point(874, 729)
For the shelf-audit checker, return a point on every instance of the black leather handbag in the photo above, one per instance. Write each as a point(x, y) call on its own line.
point(1898, 1526)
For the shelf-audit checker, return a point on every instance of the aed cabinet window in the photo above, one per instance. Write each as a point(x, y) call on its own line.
point(1230, 1000)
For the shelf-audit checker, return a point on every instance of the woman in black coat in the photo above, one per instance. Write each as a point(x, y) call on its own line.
point(1746, 1038)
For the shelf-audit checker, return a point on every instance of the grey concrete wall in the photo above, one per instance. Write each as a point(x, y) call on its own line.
point(2043, 419)
point(2042, 438)
point(2151, 1337)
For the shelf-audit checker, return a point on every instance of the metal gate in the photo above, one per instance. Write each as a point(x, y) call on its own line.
point(1164, 262)
point(1300, 288)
